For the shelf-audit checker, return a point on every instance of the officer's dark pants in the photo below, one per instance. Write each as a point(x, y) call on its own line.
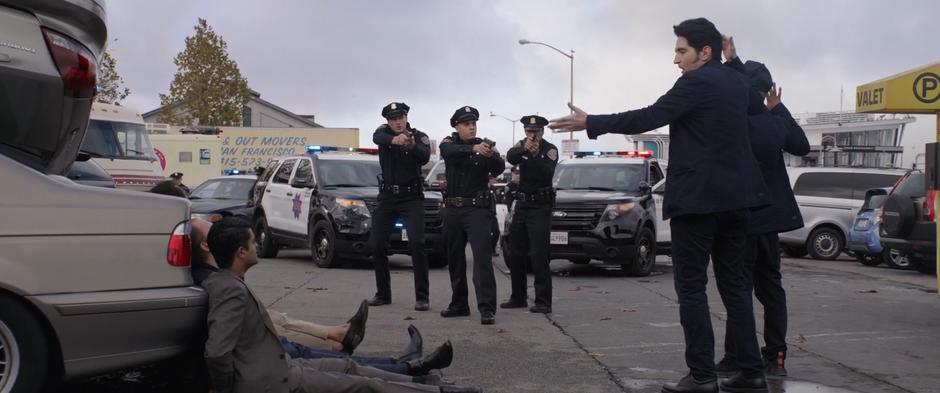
point(383, 220)
point(762, 262)
point(694, 238)
point(529, 234)
point(473, 224)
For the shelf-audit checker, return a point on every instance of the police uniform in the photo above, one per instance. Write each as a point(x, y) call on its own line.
point(529, 230)
point(179, 176)
point(401, 194)
point(468, 216)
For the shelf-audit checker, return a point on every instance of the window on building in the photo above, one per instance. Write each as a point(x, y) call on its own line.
point(186, 156)
point(246, 116)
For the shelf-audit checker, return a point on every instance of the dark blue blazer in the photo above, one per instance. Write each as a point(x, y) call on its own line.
point(711, 166)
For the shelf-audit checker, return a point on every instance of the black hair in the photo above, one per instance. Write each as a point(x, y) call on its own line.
point(225, 237)
point(167, 187)
point(700, 32)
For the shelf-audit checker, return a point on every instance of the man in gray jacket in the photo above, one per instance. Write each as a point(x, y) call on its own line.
point(243, 353)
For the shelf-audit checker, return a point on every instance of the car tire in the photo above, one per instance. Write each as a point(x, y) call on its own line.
point(898, 217)
point(825, 243)
point(323, 245)
point(868, 259)
point(895, 259)
point(794, 251)
point(265, 244)
point(436, 261)
point(644, 255)
point(24, 351)
point(923, 266)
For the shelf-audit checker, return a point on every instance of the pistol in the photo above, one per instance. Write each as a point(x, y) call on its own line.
point(489, 142)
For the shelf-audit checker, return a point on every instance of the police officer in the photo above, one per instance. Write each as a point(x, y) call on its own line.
point(468, 214)
point(532, 219)
point(177, 178)
point(402, 152)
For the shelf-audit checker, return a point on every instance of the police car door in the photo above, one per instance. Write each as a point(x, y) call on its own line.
point(299, 197)
point(663, 234)
point(275, 201)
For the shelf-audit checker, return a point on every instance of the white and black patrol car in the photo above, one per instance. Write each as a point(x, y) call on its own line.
point(324, 201)
point(608, 207)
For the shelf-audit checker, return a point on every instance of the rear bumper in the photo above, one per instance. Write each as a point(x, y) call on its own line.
point(104, 331)
point(589, 245)
point(920, 243)
point(864, 241)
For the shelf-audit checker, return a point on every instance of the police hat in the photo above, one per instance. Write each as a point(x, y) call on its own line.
point(533, 121)
point(466, 113)
point(395, 109)
point(176, 175)
point(759, 75)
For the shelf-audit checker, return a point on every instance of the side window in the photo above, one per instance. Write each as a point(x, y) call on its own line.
point(269, 171)
point(825, 184)
point(655, 174)
point(862, 182)
point(304, 170)
point(283, 173)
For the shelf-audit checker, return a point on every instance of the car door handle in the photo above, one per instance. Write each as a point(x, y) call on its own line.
point(268, 190)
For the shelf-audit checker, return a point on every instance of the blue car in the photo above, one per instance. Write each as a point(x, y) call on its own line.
point(864, 240)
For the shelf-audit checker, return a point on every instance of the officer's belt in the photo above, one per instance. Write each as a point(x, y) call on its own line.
point(481, 201)
point(397, 189)
point(541, 196)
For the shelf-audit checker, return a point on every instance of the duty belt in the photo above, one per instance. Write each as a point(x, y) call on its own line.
point(544, 196)
point(481, 201)
point(401, 189)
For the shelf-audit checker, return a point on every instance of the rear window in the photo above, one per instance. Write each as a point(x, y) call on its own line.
point(875, 202)
point(841, 184)
point(911, 185)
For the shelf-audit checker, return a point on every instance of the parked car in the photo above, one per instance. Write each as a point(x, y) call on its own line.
point(223, 196)
point(908, 222)
point(864, 239)
point(92, 279)
point(324, 201)
point(828, 199)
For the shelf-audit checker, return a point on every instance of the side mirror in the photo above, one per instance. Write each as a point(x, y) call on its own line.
point(644, 187)
point(82, 156)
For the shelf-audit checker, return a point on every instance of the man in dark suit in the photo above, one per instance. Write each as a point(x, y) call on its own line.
point(243, 353)
point(713, 180)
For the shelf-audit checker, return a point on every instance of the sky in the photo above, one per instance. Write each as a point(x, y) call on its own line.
point(343, 60)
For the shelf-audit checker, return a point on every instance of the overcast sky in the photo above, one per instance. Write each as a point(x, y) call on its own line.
point(342, 60)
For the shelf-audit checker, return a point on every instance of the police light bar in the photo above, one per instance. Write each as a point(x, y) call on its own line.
point(319, 148)
point(229, 172)
point(628, 153)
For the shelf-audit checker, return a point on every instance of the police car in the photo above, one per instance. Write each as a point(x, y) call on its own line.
point(324, 201)
point(608, 207)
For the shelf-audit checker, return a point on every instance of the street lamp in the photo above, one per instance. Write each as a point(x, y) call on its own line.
point(570, 56)
point(510, 120)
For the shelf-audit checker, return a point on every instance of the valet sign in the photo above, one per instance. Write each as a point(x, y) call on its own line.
point(916, 91)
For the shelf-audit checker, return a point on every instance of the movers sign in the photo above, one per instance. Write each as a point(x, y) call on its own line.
point(247, 148)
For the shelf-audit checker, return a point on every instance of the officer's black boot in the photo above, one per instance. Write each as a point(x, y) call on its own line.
point(741, 383)
point(688, 384)
point(726, 367)
point(774, 364)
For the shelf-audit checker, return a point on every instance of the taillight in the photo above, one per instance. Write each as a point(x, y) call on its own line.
point(179, 249)
point(76, 64)
point(929, 211)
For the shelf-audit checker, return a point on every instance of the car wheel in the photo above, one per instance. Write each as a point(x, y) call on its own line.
point(644, 255)
point(436, 261)
point(923, 266)
point(322, 245)
point(23, 349)
point(868, 259)
point(265, 244)
point(895, 259)
point(825, 243)
point(794, 251)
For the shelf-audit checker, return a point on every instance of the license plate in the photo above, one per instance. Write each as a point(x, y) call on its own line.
point(404, 235)
point(558, 238)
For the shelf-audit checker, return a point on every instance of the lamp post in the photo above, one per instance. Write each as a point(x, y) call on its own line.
point(570, 56)
point(510, 120)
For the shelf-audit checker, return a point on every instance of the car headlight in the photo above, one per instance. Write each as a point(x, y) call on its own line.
point(351, 215)
point(616, 210)
point(211, 217)
point(863, 224)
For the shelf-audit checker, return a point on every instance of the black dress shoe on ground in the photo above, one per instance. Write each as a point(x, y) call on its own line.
point(688, 384)
point(739, 383)
point(415, 347)
point(422, 305)
point(451, 312)
point(514, 303)
point(726, 367)
point(540, 309)
point(357, 328)
point(460, 389)
point(377, 301)
point(487, 318)
point(440, 358)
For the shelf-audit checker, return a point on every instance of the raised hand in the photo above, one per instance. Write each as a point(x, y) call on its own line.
point(576, 121)
point(727, 48)
point(773, 96)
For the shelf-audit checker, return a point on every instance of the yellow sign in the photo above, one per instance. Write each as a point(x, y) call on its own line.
point(914, 91)
point(246, 148)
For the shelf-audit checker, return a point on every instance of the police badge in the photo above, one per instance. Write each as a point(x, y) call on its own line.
point(552, 154)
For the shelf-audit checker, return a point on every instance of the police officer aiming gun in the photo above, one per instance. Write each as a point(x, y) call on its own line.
point(402, 152)
point(468, 215)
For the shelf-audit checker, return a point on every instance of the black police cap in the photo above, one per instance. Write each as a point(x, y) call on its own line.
point(533, 121)
point(463, 114)
point(395, 109)
point(759, 75)
point(176, 175)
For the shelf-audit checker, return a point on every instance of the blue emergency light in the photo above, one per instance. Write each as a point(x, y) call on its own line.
point(229, 172)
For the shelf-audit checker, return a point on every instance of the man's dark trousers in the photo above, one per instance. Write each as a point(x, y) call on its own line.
point(463, 224)
point(299, 351)
point(383, 219)
point(762, 262)
point(529, 234)
point(721, 235)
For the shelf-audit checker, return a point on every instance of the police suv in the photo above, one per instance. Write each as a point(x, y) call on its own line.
point(324, 201)
point(608, 207)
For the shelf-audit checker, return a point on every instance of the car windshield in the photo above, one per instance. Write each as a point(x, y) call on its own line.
point(349, 173)
point(112, 139)
point(223, 189)
point(600, 177)
point(436, 173)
